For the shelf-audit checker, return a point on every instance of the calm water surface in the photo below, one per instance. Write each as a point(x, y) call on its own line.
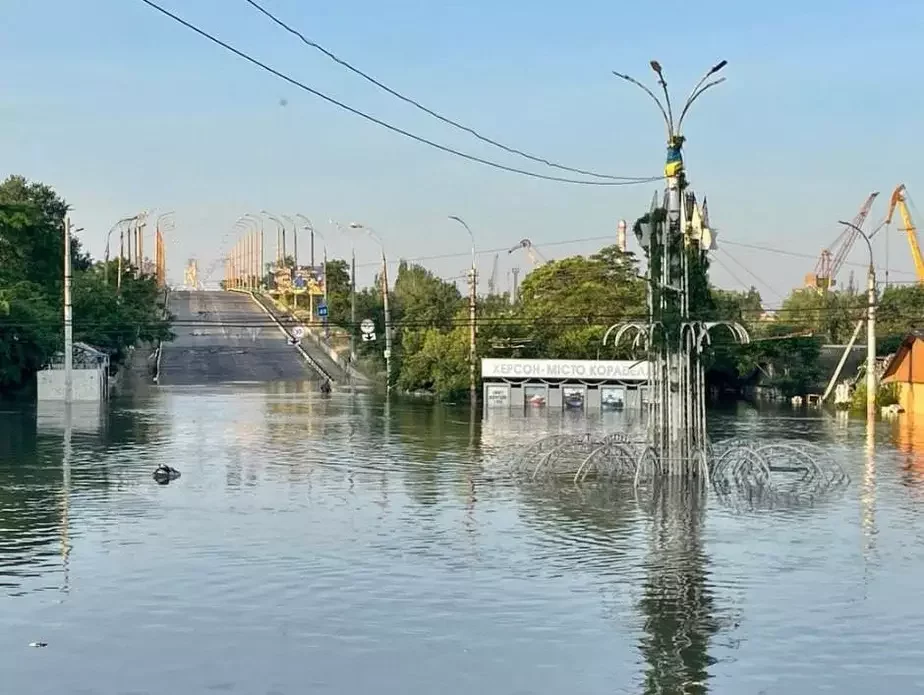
point(344, 545)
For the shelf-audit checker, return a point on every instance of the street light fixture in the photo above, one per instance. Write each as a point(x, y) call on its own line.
point(872, 383)
point(375, 237)
point(117, 225)
point(280, 234)
point(472, 298)
point(343, 231)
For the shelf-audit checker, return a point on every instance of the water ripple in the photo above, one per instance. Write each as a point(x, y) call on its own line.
point(347, 545)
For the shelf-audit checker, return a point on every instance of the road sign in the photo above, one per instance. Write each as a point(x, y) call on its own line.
point(367, 327)
point(298, 332)
point(294, 341)
point(367, 337)
point(322, 310)
point(299, 281)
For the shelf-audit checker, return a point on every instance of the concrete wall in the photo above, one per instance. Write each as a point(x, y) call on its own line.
point(87, 385)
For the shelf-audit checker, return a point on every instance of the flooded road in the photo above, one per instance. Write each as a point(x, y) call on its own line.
point(345, 545)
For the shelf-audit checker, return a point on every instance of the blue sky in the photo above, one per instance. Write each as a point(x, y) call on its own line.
point(121, 109)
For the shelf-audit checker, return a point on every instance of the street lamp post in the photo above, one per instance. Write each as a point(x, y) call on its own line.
point(375, 237)
point(352, 291)
point(117, 225)
point(258, 247)
point(472, 299)
point(280, 237)
point(679, 413)
point(872, 382)
point(310, 227)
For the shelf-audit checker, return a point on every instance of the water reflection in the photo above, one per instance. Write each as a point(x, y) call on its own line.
point(377, 545)
point(907, 433)
point(677, 606)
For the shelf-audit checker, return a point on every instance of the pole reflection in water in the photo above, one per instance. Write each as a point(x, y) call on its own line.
point(868, 494)
point(66, 457)
point(677, 606)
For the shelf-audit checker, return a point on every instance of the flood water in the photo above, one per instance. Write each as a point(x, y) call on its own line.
point(345, 545)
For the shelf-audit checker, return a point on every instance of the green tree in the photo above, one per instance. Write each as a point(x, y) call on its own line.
point(568, 304)
point(28, 333)
point(900, 312)
point(338, 291)
point(438, 363)
point(31, 289)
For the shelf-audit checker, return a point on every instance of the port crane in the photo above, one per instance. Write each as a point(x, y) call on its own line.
point(899, 200)
point(832, 258)
point(535, 257)
point(492, 279)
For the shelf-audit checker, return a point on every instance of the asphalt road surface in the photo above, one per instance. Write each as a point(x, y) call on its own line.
point(226, 337)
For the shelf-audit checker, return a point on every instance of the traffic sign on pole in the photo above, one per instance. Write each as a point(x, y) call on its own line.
point(367, 326)
point(322, 310)
point(298, 332)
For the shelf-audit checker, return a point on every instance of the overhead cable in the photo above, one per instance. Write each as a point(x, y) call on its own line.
point(378, 121)
point(431, 112)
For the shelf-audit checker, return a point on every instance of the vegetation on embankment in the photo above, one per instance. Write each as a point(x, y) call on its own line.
point(563, 308)
point(110, 319)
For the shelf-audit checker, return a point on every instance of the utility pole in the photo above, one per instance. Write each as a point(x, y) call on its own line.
point(387, 323)
point(513, 291)
point(68, 318)
point(352, 303)
point(472, 299)
point(326, 323)
point(472, 348)
point(872, 382)
point(121, 255)
point(262, 255)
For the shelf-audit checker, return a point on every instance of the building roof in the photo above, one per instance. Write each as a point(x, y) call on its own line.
point(900, 354)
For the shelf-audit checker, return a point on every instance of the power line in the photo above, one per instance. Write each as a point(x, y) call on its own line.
point(418, 105)
point(378, 121)
point(796, 254)
point(749, 272)
point(783, 314)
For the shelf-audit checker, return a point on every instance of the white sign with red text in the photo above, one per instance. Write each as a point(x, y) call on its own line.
point(585, 370)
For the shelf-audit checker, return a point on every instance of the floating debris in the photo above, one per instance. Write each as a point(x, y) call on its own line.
point(163, 474)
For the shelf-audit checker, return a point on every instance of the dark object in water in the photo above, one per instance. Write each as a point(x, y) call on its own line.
point(325, 387)
point(163, 474)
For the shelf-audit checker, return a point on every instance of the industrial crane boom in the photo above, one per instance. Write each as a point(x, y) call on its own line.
point(898, 199)
point(534, 256)
point(829, 264)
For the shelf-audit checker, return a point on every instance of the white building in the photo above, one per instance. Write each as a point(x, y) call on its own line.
point(89, 378)
point(576, 384)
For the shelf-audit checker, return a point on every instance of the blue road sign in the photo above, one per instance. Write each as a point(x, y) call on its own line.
point(299, 281)
point(322, 310)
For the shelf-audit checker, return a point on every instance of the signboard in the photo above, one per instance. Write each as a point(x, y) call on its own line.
point(310, 280)
point(367, 328)
point(497, 396)
point(298, 332)
point(585, 370)
point(322, 310)
point(282, 278)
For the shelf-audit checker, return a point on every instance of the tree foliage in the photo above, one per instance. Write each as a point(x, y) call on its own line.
point(31, 289)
